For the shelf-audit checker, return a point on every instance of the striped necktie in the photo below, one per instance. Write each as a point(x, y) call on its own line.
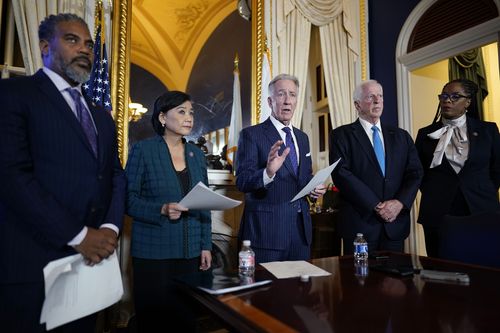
point(293, 153)
point(83, 116)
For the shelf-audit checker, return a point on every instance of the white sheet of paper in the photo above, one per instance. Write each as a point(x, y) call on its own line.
point(201, 197)
point(289, 269)
point(74, 290)
point(319, 178)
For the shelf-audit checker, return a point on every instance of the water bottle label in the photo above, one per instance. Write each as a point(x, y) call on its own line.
point(247, 262)
point(361, 248)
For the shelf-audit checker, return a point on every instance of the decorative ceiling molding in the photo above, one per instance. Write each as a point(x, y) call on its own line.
point(167, 36)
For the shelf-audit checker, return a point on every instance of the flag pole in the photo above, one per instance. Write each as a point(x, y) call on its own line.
point(236, 123)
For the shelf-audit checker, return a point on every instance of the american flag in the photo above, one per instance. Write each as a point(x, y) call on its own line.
point(98, 87)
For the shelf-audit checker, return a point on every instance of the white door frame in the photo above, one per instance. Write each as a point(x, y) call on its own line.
point(480, 35)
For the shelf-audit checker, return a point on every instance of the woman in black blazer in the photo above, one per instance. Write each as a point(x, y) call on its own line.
point(461, 160)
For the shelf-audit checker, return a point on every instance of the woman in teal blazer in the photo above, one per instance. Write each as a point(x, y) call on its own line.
point(168, 240)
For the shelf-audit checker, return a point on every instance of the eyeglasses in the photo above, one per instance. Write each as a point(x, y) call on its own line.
point(453, 97)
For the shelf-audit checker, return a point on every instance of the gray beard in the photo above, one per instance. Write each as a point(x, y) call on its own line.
point(77, 75)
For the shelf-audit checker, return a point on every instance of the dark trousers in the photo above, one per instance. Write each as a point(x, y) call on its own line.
point(21, 306)
point(433, 232)
point(298, 249)
point(159, 304)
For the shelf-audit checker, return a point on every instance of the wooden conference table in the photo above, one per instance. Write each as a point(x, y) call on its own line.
point(380, 302)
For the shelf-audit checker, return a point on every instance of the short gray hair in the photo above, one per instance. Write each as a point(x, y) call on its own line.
point(280, 77)
point(358, 92)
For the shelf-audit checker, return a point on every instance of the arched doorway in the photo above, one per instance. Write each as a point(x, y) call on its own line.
point(409, 60)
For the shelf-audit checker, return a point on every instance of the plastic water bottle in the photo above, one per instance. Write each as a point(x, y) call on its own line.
point(361, 271)
point(246, 260)
point(360, 248)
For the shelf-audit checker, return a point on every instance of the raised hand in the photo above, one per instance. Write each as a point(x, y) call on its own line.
point(274, 159)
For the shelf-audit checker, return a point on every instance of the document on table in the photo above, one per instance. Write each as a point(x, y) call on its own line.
point(74, 290)
point(201, 197)
point(289, 269)
point(319, 178)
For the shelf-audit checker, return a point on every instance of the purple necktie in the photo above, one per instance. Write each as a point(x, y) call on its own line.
point(293, 153)
point(84, 118)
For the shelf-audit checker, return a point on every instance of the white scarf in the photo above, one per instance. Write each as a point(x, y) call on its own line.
point(453, 143)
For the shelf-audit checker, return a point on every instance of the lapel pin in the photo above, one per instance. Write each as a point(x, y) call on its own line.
point(475, 134)
point(191, 154)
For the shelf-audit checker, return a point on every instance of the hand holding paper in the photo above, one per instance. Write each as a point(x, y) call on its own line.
point(74, 290)
point(318, 179)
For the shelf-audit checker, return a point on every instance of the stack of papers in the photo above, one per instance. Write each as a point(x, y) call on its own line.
point(74, 290)
point(201, 197)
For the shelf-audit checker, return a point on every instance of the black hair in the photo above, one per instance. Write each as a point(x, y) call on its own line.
point(471, 90)
point(47, 28)
point(165, 102)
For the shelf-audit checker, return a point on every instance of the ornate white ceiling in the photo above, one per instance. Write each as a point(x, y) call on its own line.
point(167, 35)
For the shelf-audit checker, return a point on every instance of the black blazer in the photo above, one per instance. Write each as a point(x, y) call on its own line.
point(362, 185)
point(51, 183)
point(478, 180)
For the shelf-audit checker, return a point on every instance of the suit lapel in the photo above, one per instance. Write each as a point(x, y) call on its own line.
point(303, 150)
point(360, 135)
point(474, 137)
point(99, 127)
point(389, 146)
point(60, 105)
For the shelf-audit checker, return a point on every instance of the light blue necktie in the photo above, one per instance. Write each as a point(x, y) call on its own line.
point(379, 149)
point(293, 153)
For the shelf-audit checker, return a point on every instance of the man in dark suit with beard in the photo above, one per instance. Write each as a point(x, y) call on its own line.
point(62, 183)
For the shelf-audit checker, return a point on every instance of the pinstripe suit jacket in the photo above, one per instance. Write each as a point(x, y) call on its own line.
point(52, 185)
point(362, 185)
point(268, 217)
point(152, 182)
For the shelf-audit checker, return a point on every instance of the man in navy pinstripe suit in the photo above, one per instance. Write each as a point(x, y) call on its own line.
point(63, 187)
point(273, 165)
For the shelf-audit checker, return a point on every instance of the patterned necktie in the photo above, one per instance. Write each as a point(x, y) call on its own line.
point(293, 153)
point(379, 149)
point(84, 118)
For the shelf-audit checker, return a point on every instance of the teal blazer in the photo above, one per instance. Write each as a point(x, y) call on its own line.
point(152, 182)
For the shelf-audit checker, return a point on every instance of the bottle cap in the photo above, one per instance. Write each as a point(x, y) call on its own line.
point(246, 242)
point(359, 234)
point(304, 278)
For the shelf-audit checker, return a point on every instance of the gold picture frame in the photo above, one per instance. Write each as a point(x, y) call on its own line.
point(120, 67)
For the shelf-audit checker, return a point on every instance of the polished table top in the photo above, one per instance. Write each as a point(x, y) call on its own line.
point(379, 302)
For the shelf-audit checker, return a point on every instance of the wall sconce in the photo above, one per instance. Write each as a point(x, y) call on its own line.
point(136, 111)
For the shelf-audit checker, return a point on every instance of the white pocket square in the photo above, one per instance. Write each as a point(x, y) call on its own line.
point(308, 154)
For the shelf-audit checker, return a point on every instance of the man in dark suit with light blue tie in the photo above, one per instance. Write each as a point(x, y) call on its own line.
point(273, 165)
point(378, 175)
point(63, 187)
